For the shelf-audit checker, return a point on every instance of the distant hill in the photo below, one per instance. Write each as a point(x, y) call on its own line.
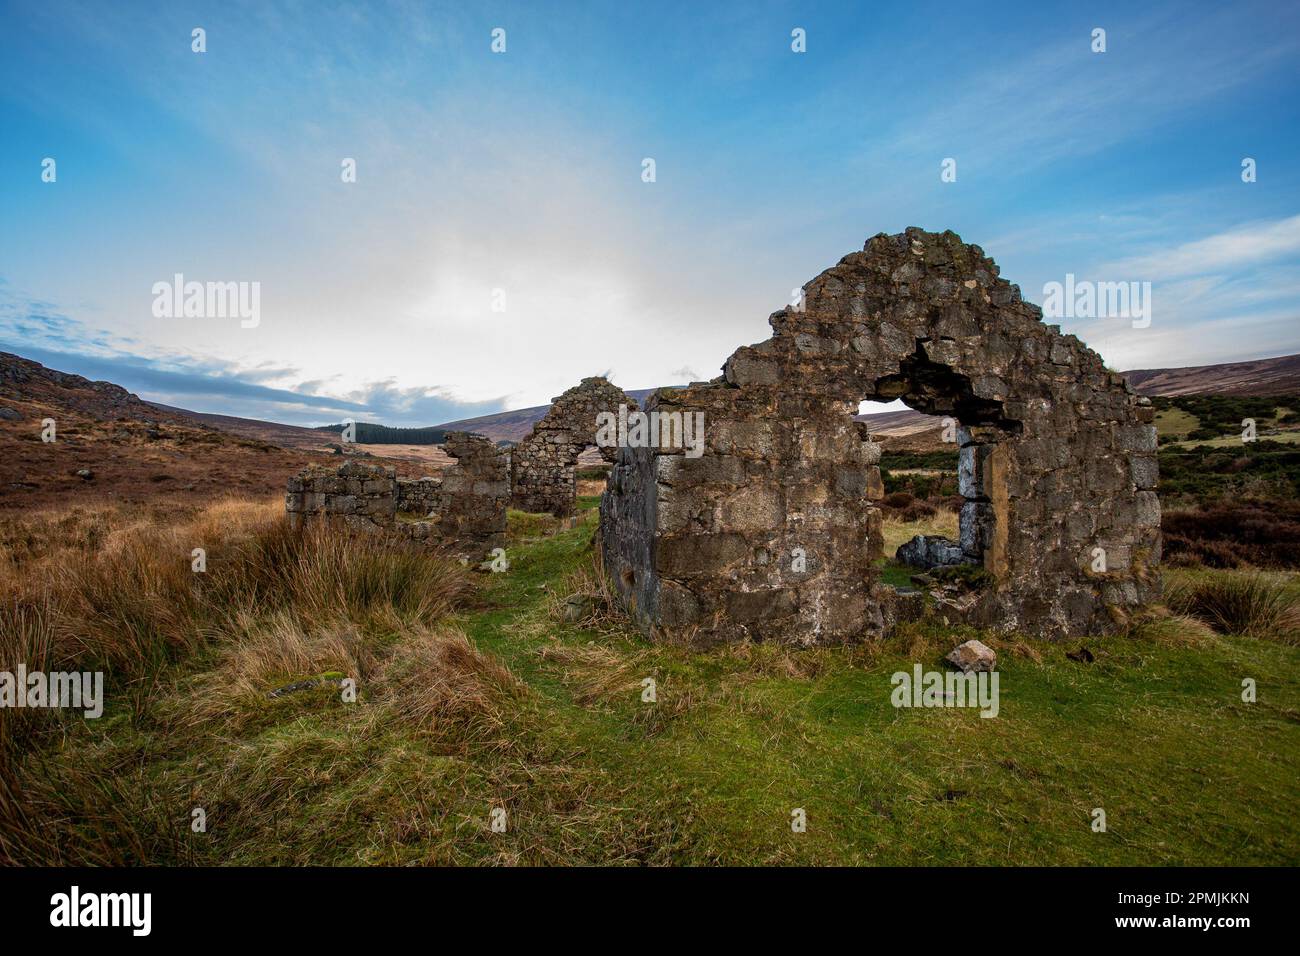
point(112, 447)
point(905, 426)
point(27, 381)
point(912, 431)
point(514, 426)
point(39, 390)
point(1270, 376)
point(286, 436)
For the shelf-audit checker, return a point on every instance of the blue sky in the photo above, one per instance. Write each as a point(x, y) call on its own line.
point(521, 171)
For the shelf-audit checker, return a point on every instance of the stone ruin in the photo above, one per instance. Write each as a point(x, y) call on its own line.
point(542, 465)
point(773, 533)
point(463, 509)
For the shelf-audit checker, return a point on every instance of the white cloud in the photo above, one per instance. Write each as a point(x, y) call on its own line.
point(1245, 246)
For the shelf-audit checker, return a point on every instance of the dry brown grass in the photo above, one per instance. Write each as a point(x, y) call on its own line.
point(1163, 626)
point(898, 532)
point(601, 610)
point(86, 813)
point(270, 654)
point(594, 672)
point(590, 486)
point(114, 590)
point(440, 683)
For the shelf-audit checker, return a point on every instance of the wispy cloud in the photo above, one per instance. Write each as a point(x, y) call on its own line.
point(1247, 246)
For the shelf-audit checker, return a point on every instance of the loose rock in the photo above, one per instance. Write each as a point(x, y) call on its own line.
point(973, 656)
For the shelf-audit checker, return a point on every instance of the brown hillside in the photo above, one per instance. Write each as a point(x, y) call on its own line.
point(135, 451)
point(1270, 376)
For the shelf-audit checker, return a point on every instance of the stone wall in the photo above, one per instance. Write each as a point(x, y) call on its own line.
point(464, 508)
point(773, 532)
point(471, 503)
point(356, 495)
point(542, 465)
point(418, 496)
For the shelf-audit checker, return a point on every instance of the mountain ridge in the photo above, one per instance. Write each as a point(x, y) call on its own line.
point(107, 400)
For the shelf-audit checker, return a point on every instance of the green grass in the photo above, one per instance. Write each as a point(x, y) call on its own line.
point(1174, 423)
point(1156, 735)
point(895, 574)
point(1234, 441)
point(1214, 416)
point(1229, 470)
point(1154, 731)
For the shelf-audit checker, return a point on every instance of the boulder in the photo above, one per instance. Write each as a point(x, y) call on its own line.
point(973, 656)
point(931, 551)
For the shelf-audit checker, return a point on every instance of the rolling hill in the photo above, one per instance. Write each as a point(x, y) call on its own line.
point(133, 448)
point(1270, 376)
point(112, 447)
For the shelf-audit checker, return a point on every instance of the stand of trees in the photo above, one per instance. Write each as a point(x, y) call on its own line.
point(368, 434)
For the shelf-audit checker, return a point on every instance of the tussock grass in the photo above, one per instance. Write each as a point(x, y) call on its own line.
point(319, 575)
point(1255, 604)
point(188, 655)
point(437, 682)
point(101, 809)
point(599, 603)
point(233, 693)
point(1162, 626)
point(120, 593)
point(595, 672)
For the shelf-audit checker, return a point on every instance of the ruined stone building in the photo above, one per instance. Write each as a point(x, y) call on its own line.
point(463, 509)
point(773, 532)
point(542, 465)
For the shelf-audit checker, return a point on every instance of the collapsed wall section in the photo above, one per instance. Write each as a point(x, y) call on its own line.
point(542, 465)
point(464, 508)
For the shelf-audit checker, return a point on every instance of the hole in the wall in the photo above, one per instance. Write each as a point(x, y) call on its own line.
point(591, 471)
point(918, 470)
point(950, 470)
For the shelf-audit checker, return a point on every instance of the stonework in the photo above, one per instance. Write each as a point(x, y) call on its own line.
point(463, 509)
point(773, 533)
point(542, 465)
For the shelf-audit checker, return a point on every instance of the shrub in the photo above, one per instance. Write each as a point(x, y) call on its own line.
point(917, 511)
point(1234, 534)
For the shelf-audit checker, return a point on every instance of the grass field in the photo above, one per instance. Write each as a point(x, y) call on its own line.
point(1234, 441)
point(484, 698)
point(1175, 423)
